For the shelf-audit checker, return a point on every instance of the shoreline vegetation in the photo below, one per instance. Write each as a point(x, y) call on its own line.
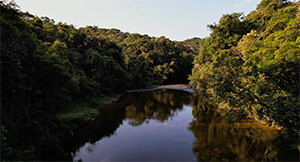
point(54, 76)
point(51, 73)
point(249, 66)
point(83, 113)
point(182, 87)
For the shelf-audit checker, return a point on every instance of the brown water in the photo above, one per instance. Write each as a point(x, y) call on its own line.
point(172, 125)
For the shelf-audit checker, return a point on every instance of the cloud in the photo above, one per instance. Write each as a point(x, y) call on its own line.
point(239, 5)
point(242, 4)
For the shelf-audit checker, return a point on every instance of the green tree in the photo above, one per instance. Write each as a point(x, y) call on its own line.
point(253, 72)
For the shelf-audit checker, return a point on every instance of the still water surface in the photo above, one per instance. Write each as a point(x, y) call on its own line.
point(171, 125)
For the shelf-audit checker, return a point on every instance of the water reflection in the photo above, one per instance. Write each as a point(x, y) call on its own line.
point(173, 125)
point(160, 105)
point(248, 140)
point(136, 109)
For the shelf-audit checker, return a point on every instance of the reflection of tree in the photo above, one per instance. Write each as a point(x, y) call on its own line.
point(137, 108)
point(217, 140)
point(158, 105)
point(104, 126)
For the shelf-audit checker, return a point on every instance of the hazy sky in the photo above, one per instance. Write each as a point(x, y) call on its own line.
point(174, 19)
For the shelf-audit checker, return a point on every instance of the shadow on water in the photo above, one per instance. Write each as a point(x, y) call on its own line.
point(213, 139)
point(248, 140)
point(137, 108)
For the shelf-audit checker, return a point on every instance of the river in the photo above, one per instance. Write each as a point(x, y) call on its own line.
point(173, 125)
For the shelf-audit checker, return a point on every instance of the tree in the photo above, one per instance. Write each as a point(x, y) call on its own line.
point(254, 72)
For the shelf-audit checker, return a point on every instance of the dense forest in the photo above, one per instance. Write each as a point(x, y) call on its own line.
point(248, 67)
point(48, 68)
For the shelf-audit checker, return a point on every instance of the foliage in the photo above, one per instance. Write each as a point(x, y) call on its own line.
point(43, 70)
point(47, 68)
point(150, 60)
point(249, 66)
point(247, 140)
point(193, 44)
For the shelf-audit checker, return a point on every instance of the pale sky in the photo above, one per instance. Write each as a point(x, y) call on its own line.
point(174, 19)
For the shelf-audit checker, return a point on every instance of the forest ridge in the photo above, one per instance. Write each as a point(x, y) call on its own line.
point(247, 67)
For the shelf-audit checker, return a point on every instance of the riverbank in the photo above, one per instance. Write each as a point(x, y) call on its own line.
point(182, 87)
point(84, 112)
point(163, 118)
point(80, 114)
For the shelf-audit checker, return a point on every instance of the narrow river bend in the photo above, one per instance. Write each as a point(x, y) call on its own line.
point(172, 125)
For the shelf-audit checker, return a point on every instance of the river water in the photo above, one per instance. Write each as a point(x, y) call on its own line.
point(173, 125)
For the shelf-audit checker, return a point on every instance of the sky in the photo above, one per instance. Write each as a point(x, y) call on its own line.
point(174, 19)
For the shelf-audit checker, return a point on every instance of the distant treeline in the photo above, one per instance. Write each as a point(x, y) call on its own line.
point(150, 60)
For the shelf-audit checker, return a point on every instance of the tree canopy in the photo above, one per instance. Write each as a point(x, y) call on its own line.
point(249, 66)
point(47, 67)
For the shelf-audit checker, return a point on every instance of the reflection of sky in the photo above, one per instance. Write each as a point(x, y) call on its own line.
point(154, 140)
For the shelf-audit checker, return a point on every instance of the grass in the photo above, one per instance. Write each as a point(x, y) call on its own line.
point(81, 113)
point(106, 100)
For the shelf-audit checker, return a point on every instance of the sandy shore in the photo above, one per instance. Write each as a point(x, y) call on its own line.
point(183, 87)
